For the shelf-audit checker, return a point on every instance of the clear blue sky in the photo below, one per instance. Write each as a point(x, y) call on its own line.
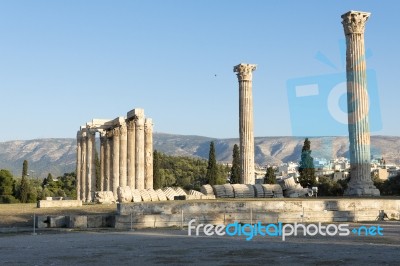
point(63, 63)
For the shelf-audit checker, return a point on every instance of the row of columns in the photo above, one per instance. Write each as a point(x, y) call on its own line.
point(126, 155)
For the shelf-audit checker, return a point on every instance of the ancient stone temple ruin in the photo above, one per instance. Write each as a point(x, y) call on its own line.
point(126, 155)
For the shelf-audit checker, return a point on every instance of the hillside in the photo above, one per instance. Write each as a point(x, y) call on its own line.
point(58, 155)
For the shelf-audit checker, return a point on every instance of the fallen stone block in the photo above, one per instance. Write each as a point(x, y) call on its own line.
point(42, 221)
point(57, 221)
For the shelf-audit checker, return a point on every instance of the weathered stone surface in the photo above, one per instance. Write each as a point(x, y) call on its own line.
point(58, 203)
point(136, 195)
point(360, 183)
point(57, 221)
point(179, 191)
point(196, 194)
point(42, 221)
point(291, 189)
point(207, 190)
point(124, 194)
point(104, 197)
point(77, 221)
point(145, 195)
point(161, 195)
point(170, 193)
point(246, 127)
point(219, 191)
point(95, 221)
point(153, 194)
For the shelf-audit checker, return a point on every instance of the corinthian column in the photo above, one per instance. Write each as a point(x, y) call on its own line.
point(122, 155)
point(148, 151)
point(357, 106)
point(78, 164)
point(131, 153)
point(244, 74)
point(107, 164)
point(115, 162)
point(91, 177)
point(83, 164)
point(139, 154)
point(103, 140)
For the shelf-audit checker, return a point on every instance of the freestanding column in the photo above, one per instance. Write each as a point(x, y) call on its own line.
point(139, 155)
point(122, 155)
point(148, 149)
point(103, 140)
point(115, 161)
point(90, 172)
point(78, 164)
point(131, 153)
point(357, 105)
point(107, 165)
point(244, 74)
point(83, 164)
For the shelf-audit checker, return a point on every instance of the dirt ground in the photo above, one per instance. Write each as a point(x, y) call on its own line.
point(21, 215)
point(175, 247)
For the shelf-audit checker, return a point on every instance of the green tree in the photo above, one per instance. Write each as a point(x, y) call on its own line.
point(235, 169)
point(25, 168)
point(306, 168)
point(24, 188)
point(270, 177)
point(47, 180)
point(156, 170)
point(7, 183)
point(212, 170)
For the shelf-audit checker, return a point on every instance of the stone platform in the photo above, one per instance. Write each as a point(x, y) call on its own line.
point(179, 213)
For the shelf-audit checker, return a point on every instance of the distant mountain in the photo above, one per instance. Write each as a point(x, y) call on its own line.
point(57, 156)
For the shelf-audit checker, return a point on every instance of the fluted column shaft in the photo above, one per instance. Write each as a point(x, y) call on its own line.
point(131, 153)
point(122, 155)
point(115, 161)
point(148, 148)
point(139, 154)
point(246, 128)
point(91, 177)
point(357, 105)
point(107, 163)
point(83, 165)
point(103, 147)
point(78, 164)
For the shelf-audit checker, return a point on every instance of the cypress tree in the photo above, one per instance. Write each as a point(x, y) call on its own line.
point(270, 177)
point(24, 187)
point(235, 169)
point(212, 170)
point(25, 168)
point(156, 170)
point(306, 168)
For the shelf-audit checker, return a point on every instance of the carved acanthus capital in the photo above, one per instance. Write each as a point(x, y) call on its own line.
point(115, 132)
point(354, 22)
point(244, 71)
point(130, 124)
point(122, 130)
point(148, 125)
point(109, 133)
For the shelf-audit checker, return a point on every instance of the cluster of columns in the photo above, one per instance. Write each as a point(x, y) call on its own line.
point(358, 106)
point(126, 155)
point(246, 127)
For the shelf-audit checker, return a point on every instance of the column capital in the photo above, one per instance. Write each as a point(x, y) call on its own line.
point(354, 21)
point(244, 71)
point(148, 125)
point(115, 131)
point(122, 129)
point(79, 135)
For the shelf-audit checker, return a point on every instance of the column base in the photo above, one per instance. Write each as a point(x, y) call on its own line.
point(360, 190)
